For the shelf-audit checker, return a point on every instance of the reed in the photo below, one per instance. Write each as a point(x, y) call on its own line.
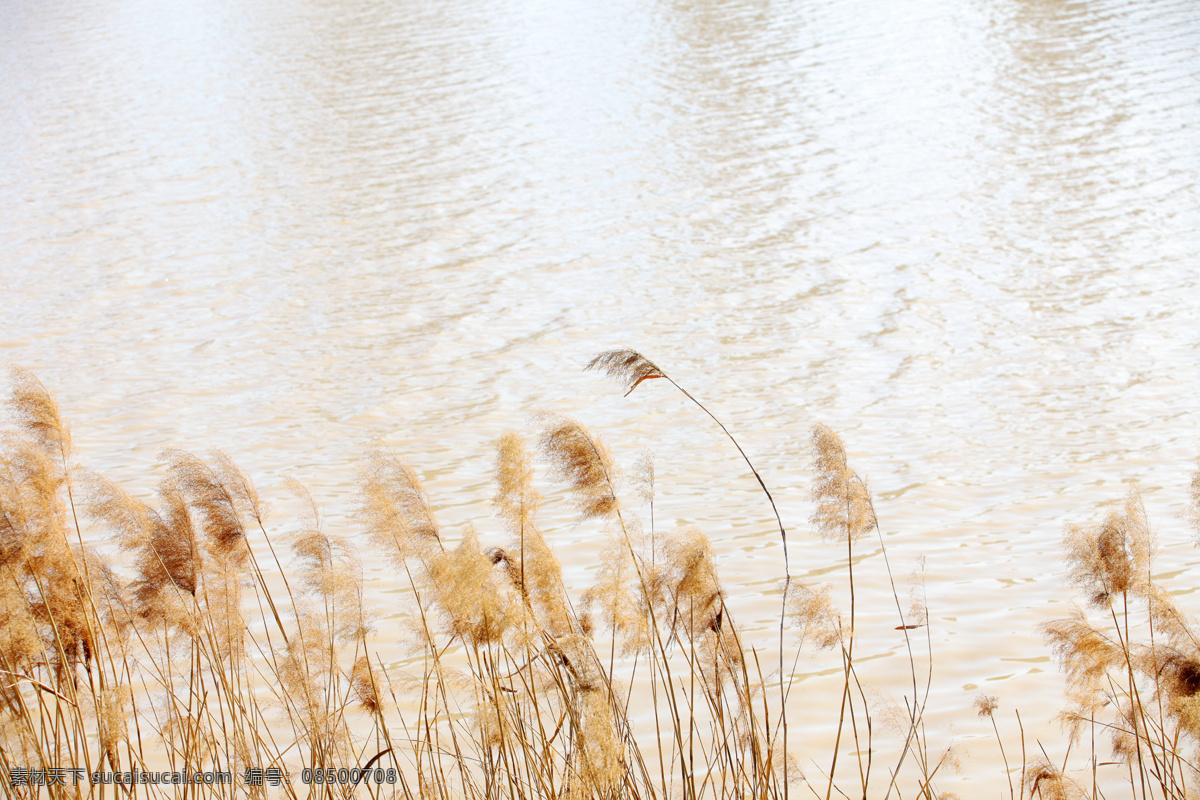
point(221, 646)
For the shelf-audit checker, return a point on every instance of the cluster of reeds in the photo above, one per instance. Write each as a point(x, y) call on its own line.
point(1132, 661)
point(208, 642)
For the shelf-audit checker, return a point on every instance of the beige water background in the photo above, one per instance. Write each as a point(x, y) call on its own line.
point(963, 233)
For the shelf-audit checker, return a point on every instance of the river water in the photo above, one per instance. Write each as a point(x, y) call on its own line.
point(964, 234)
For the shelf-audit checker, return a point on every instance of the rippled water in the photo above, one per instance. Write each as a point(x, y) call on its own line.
point(964, 234)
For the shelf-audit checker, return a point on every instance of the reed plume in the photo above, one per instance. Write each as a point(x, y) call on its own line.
point(813, 615)
point(690, 580)
point(32, 550)
point(20, 644)
point(216, 500)
point(55, 573)
point(625, 366)
point(843, 511)
point(366, 686)
point(112, 721)
point(642, 480)
point(166, 553)
point(306, 674)
point(1046, 781)
point(1087, 652)
point(36, 414)
point(699, 603)
point(517, 500)
point(397, 508)
point(600, 748)
point(474, 602)
point(38, 556)
point(616, 597)
point(1112, 558)
point(531, 564)
point(986, 705)
point(331, 576)
point(582, 462)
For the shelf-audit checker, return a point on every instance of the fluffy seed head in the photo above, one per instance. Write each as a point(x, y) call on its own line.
point(843, 503)
point(602, 748)
point(813, 614)
point(474, 602)
point(625, 366)
point(516, 501)
point(164, 544)
point(1086, 652)
point(581, 461)
point(617, 599)
point(366, 686)
point(216, 499)
point(691, 581)
point(986, 704)
point(1044, 780)
point(1113, 557)
point(37, 413)
point(397, 508)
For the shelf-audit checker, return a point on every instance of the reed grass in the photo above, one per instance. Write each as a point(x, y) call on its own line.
point(215, 642)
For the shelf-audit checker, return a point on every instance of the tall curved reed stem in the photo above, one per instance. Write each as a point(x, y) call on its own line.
point(631, 368)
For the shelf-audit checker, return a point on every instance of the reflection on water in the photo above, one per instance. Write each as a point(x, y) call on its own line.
point(962, 234)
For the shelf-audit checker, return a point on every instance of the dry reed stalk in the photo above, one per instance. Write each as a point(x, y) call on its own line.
point(632, 368)
point(843, 513)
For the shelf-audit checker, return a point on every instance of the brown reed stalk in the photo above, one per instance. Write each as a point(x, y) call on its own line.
point(632, 368)
point(843, 514)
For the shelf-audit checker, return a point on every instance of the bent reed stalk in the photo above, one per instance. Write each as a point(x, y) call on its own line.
point(215, 653)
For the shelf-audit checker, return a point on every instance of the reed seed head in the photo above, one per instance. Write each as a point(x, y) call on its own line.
point(691, 581)
point(37, 413)
point(813, 614)
point(625, 366)
point(1046, 781)
point(20, 645)
point(602, 746)
point(581, 461)
point(475, 605)
point(516, 501)
point(844, 511)
point(167, 556)
point(397, 508)
point(986, 704)
point(1113, 557)
point(366, 685)
point(617, 599)
point(112, 723)
point(642, 477)
point(1086, 652)
point(215, 498)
